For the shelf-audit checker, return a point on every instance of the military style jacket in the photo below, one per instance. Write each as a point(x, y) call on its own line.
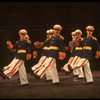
point(88, 45)
point(53, 46)
point(22, 48)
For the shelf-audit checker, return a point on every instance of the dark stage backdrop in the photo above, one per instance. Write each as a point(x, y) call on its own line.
point(37, 17)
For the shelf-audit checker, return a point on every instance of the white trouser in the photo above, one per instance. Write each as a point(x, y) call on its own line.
point(65, 67)
point(80, 62)
point(53, 73)
point(83, 62)
point(75, 72)
point(79, 72)
point(39, 65)
point(72, 61)
point(75, 61)
point(48, 75)
point(46, 65)
point(13, 67)
point(88, 72)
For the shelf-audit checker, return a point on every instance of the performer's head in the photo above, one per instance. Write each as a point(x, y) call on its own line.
point(78, 33)
point(50, 33)
point(90, 29)
point(47, 32)
point(73, 34)
point(57, 28)
point(22, 33)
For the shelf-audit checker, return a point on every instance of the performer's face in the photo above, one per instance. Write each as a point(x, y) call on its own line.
point(22, 36)
point(48, 36)
point(57, 32)
point(89, 33)
point(73, 37)
point(78, 35)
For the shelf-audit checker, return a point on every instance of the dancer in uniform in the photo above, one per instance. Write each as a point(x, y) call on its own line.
point(22, 49)
point(52, 48)
point(88, 43)
point(75, 54)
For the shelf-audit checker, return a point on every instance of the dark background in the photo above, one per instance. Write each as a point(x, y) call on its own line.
point(37, 17)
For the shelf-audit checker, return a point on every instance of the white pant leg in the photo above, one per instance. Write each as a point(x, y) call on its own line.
point(13, 68)
point(5, 68)
point(65, 67)
point(75, 62)
point(48, 75)
point(81, 62)
point(88, 73)
point(81, 73)
point(54, 73)
point(39, 65)
point(23, 74)
point(47, 64)
point(75, 72)
point(70, 60)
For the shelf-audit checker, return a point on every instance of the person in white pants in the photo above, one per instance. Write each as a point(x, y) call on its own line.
point(88, 43)
point(48, 58)
point(22, 50)
point(75, 55)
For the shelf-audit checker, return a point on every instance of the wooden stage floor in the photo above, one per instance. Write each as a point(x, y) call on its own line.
point(39, 89)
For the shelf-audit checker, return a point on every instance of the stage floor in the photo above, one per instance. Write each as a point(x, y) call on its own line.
point(40, 89)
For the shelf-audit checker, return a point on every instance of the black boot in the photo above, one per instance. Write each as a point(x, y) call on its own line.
point(36, 76)
point(3, 75)
point(69, 67)
point(66, 72)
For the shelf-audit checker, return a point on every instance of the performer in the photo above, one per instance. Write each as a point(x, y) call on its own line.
point(71, 47)
point(78, 54)
point(50, 53)
point(40, 45)
point(75, 54)
point(88, 43)
point(17, 64)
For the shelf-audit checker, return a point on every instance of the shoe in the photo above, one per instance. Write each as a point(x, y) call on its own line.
point(24, 85)
point(89, 83)
point(69, 67)
point(55, 84)
point(48, 81)
point(80, 78)
point(75, 76)
point(3, 76)
point(67, 72)
point(36, 76)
